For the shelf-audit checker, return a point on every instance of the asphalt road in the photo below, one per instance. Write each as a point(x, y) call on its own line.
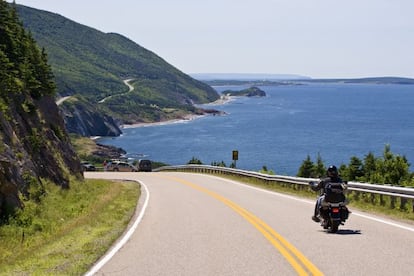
point(193, 224)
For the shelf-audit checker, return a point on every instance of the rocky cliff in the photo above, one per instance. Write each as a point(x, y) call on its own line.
point(84, 118)
point(34, 144)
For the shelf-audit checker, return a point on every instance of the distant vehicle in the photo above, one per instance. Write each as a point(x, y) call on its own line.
point(145, 166)
point(86, 166)
point(120, 166)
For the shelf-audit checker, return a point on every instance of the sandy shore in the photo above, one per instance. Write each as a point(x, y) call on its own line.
point(174, 121)
point(223, 100)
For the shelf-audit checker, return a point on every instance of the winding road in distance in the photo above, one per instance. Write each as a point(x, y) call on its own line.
point(130, 89)
point(126, 82)
point(197, 224)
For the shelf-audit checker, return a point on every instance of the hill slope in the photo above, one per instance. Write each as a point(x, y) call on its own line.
point(34, 145)
point(93, 64)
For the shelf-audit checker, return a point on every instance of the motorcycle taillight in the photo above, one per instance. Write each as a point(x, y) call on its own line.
point(335, 210)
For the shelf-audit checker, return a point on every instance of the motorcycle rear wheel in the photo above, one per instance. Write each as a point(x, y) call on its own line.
point(334, 225)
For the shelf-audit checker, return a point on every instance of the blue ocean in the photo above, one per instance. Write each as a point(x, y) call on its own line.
point(335, 120)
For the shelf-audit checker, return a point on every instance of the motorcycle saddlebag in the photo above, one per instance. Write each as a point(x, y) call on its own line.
point(334, 193)
point(344, 213)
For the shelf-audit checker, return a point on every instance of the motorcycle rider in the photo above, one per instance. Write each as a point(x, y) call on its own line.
point(332, 177)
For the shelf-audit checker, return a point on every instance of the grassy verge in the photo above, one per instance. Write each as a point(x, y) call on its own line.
point(68, 230)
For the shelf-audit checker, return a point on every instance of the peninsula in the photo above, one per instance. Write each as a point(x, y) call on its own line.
point(249, 92)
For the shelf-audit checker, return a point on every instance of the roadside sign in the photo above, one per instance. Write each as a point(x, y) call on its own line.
point(235, 155)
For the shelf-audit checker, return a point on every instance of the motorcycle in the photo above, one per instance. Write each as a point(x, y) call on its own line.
point(332, 209)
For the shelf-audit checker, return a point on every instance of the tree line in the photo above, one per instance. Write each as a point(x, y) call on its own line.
point(24, 66)
point(389, 168)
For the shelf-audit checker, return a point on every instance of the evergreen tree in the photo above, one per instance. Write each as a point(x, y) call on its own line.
point(46, 76)
point(355, 170)
point(369, 167)
point(195, 161)
point(306, 169)
point(6, 79)
point(343, 172)
point(24, 68)
point(388, 169)
point(218, 164)
point(394, 168)
point(7, 69)
point(319, 169)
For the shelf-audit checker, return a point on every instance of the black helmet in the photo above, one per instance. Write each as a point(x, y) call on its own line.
point(332, 171)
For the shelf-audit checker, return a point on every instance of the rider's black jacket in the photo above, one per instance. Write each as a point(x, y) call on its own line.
point(322, 184)
point(333, 189)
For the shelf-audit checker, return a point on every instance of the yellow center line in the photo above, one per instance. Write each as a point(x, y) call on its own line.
point(297, 260)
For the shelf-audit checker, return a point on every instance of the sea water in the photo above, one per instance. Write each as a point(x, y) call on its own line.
point(334, 120)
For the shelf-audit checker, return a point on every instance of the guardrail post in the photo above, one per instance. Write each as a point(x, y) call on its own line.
point(392, 205)
point(403, 202)
point(357, 194)
point(382, 201)
point(372, 198)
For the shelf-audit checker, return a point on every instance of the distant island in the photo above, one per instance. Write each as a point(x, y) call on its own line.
point(249, 92)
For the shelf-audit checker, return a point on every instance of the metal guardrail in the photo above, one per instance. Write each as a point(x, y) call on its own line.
point(404, 193)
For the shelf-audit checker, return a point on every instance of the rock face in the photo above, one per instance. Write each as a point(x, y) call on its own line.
point(86, 120)
point(34, 145)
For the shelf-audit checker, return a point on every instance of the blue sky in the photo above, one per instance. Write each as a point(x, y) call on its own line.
point(316, 38)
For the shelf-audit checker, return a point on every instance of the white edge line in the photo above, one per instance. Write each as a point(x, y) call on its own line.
point(383, 221)
point(124, 239)
point(307, 201)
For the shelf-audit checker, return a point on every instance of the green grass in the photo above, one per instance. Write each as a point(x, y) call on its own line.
point(69, 230)
point(84, 146)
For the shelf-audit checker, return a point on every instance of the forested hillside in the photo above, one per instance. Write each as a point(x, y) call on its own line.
point(91, 66)
point(34, 144)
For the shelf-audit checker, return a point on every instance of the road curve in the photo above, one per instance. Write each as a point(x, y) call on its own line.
point(204, 225)
point(61, 100)
point(130, 89)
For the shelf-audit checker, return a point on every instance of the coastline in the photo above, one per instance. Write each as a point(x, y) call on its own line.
point(272, 148)
point(186, 118)
point(224, 99)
